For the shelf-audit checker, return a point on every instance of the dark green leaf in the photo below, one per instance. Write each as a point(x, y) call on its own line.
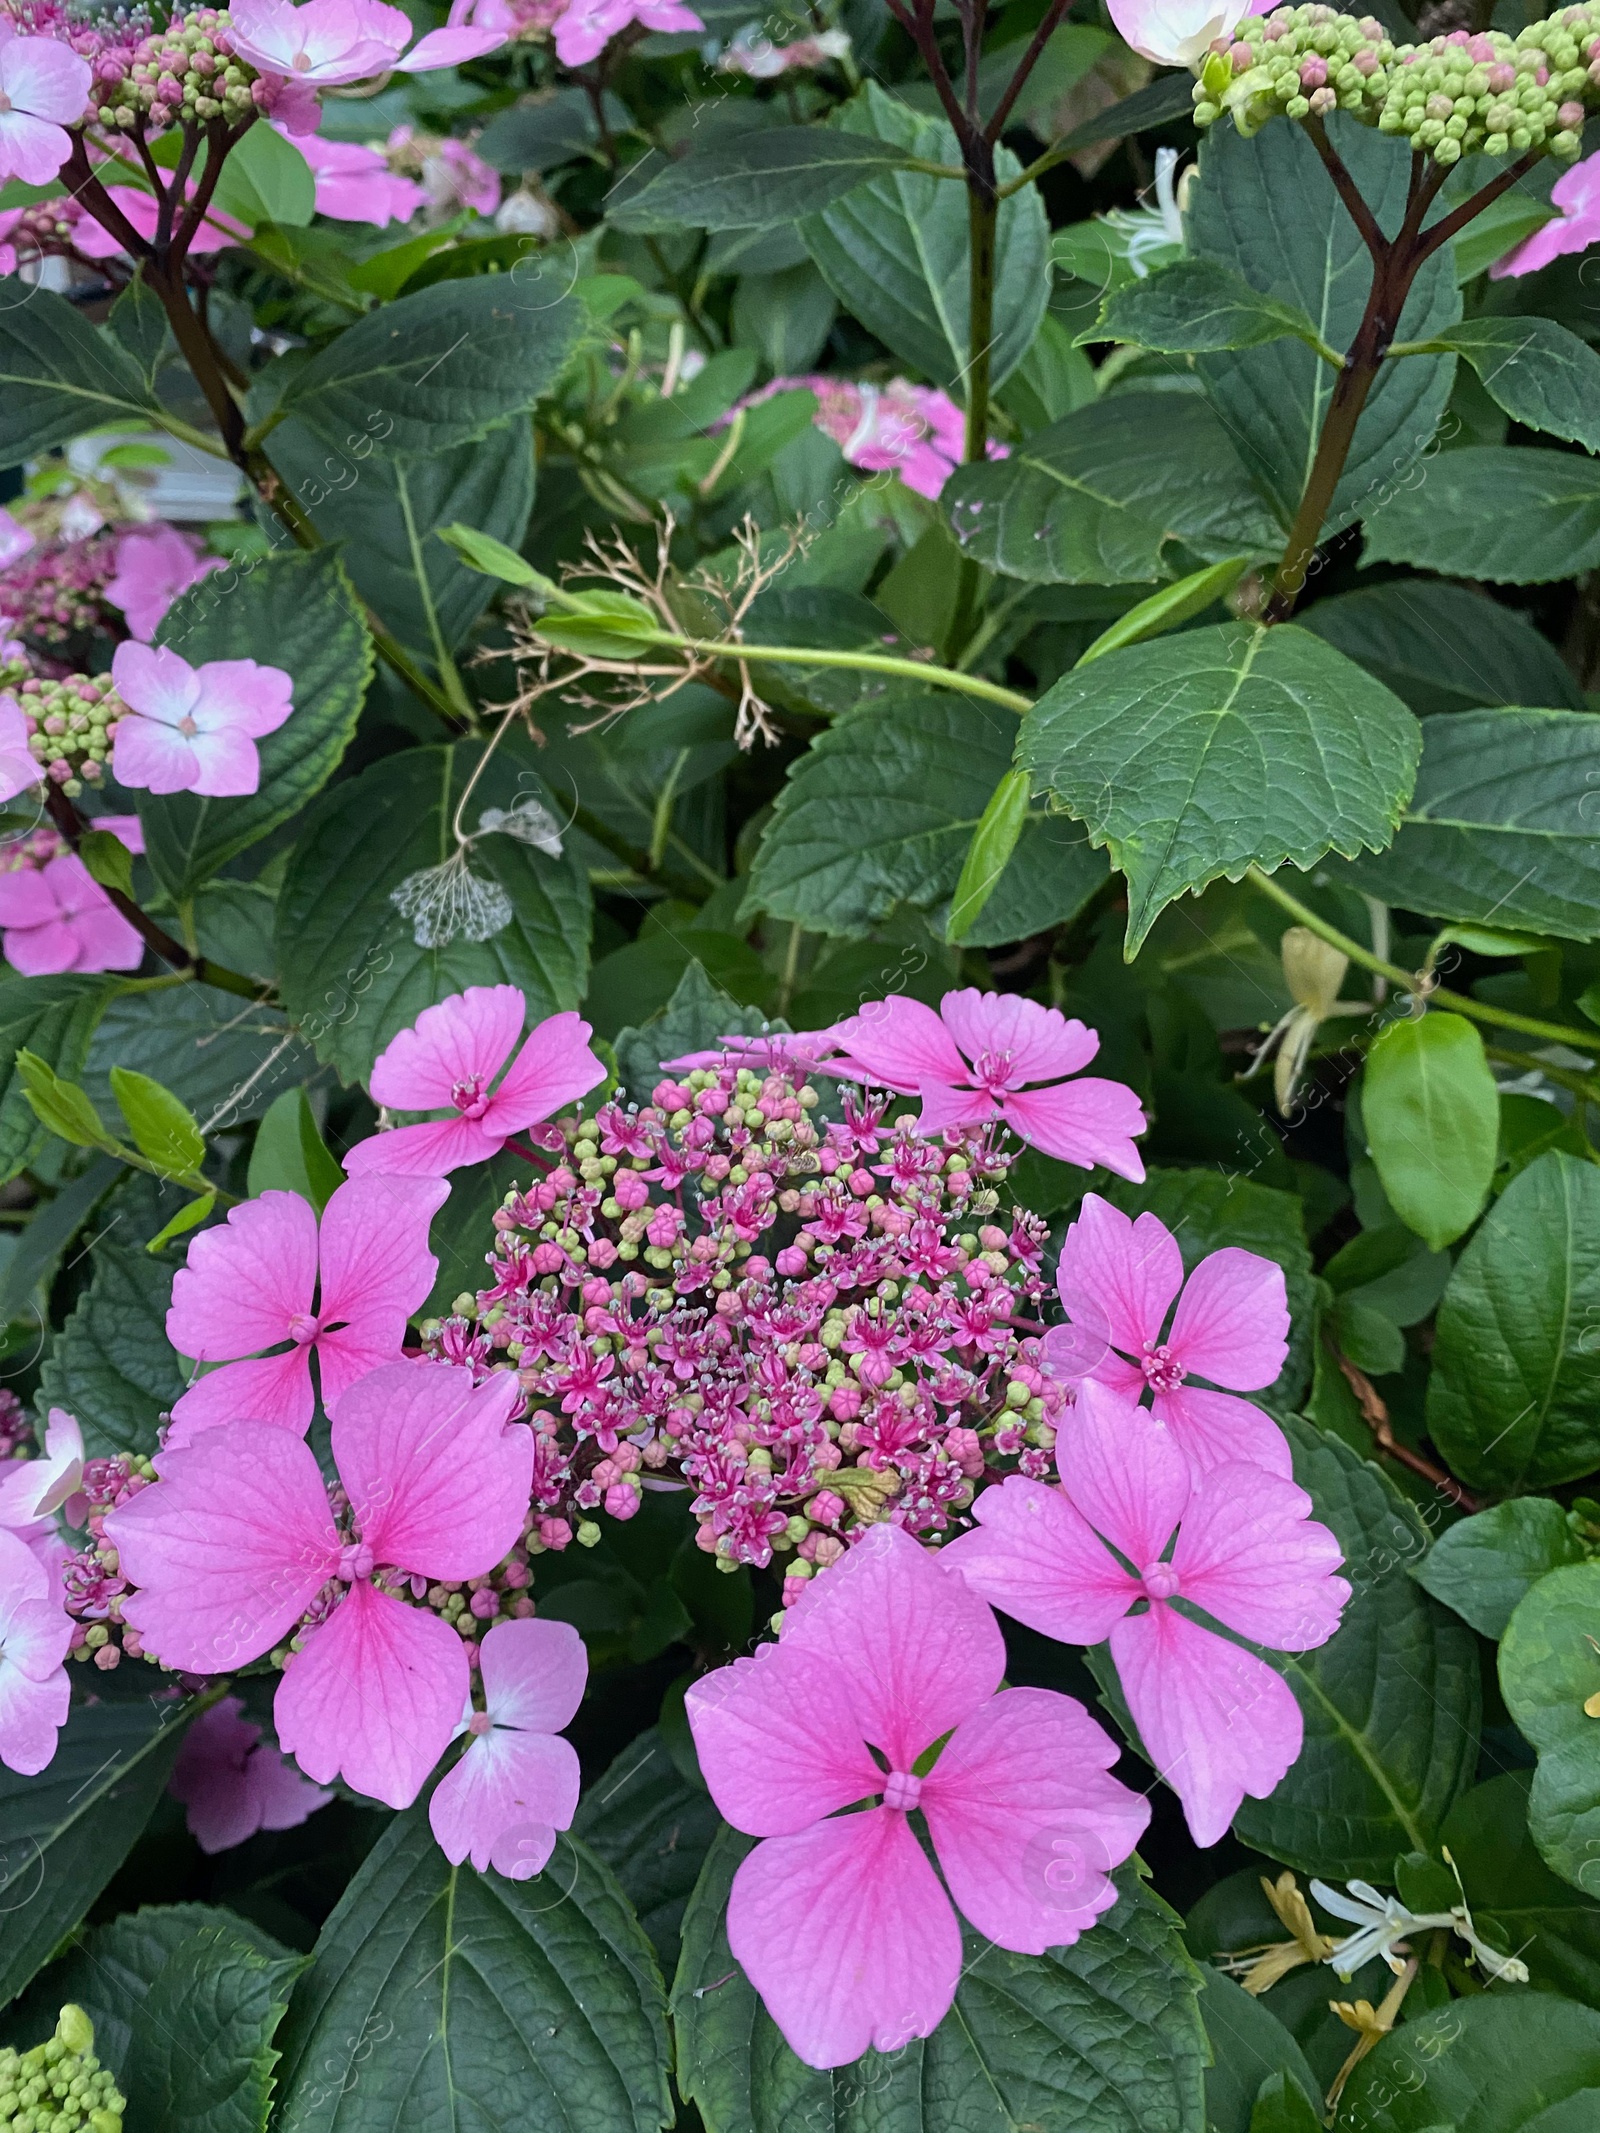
point(435, 370)
point(1541, 1918)
point(1230, 747)
point(54, 1020)
point(697, 1017)
point(894, 251)
point(1549, 1672)
point(1500, 2063)
point(1249, 2047)
point(64, 1833)
point(292, 611)
point(1096, 498)
point(1266, 209)
point(138, 320)
point(1432, 1117)
point(1514, 1400)
point(203, 2055)
point(111, 1364)
point(108, 860)
point(59, 376)
point(224, 1058)
point(774, 175)
point(1101, 2037)
point(881, 809)
point(439, 1997)
point(1542, 375)
point(1483, 1566)
point(653, 1829)
point(1443, 648)
point(1501, 824)
point(1511, 516)
point(1283, 2106)
point(1197, 304)
point(353, 973)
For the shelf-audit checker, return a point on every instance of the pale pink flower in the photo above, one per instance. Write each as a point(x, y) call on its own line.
point(155, 564)
point(326, 42)
point(1117, 1280)
point(36, 1489)
point(18, 769)
point(44, 88)
point(35, 1636)
point(1178, 33)
point(271, 1273)
point(516, 1784)
point(355, 183)
point(450, 1057)
point(914, 431)
point(973, 1061)
point(1216, 1721)
point(585, 27)
point(216, 232)
point(1577, 193)
point(839, 1920)
point(194, 729)
point(15, 539)
point(233, 1784)
point(236, 1539)
point(57, 917)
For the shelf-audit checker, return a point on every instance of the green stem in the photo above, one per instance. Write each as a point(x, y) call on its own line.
point(1587, 1041)
point(983, 214)
point(863, 662)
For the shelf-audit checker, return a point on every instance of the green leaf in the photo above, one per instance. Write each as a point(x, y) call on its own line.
point(1225, 748)
point(1542, 375)
point(1096, 498)
point(111, 1364)
point(1508, 1887)
point(1166, 609)
point(1484, 1565)
point(1432, 1117)
point(1443, 648)
point(1390, 1702)
point(895, 250)
point(382, 509)
point(1000, 826)
point(186, 1219)
point(653, 1829)
point(290, 1155)
point(1499, 2063)
point(442, 1997)
point(54, 1020)
point(266, 179)
point(431, 371)
point(163, 1129)
point(1509, 516)
point(59, 376)
point(482, 552)
point(138, 320)
point(1197, 304)
point(352, 971)
point(1283, 2106)
point(64, 1833)
point(203, 2056)
point(775, 174)
point(218, 1054)
point(1501, 824)
point(108, 860)
point(881, 809)
point(291, 611)
point(1249, 2048)
point(1549, 1671)
point(1266, 209)
point(1514, 1399)
point(1101, 2037)
point(696, 1017)
point(60, 1106)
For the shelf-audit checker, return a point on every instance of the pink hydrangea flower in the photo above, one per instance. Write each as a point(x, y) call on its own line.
point(974, 1059)
point(216, 232)
point(34, 1639)
point(194, 729)
point(449, 1058)
point(343, 1288)
point(154, 565)
point(237, 1539)
point(234, 1785)
point(1178, 33)
point(517, 1783)
point(18, 769)
point(585, 27)
point(44, 88)
point(838, 1920)
point(1117, 1280)
point(57, 917)
point(1216, 1721)
point(355, 183)
point(326, 42)
point(1577, 193)
point(35, 1489)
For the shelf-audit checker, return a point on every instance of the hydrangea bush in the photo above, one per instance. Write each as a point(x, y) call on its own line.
point(801, 1242)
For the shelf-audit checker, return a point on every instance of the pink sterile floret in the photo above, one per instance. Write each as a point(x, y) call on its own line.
point(34, 1489)
point(974, 1060)
point(585, 27)
point(194, 729)
point(34, 1637)
point(326, 42)
point(44, 86)
point(343, 1287)
point(57, 917)
point(1577, 194)
point(237, 1539)
point(18, 767)
point(1216, 1721)
point(154, 565)
point(355, 183)
point(449, 1058)
point(516, 1784)
point(839, 1920)
point(233, 1784)
point(1117, 1279)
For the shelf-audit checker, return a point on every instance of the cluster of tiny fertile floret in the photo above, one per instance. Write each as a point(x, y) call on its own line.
point(811, 1327)
point(16, 1431)
point(59, 2086)
point(1449, 97)
point(92, 1582)
point(52, 598)
point(94, 31)
point(186, 73)
point(71, 725)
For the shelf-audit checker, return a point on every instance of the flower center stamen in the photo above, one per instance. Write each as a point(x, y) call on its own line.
point(1162, 1370)
point(469, 1098)
point(902, 1791)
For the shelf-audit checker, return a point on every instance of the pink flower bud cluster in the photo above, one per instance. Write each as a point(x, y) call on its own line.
point(91, 1579)
point(107, 34)
point(71, 724)
point(815, 1328)
point(53, 596)
point(185, 73)
point(16, 1430)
